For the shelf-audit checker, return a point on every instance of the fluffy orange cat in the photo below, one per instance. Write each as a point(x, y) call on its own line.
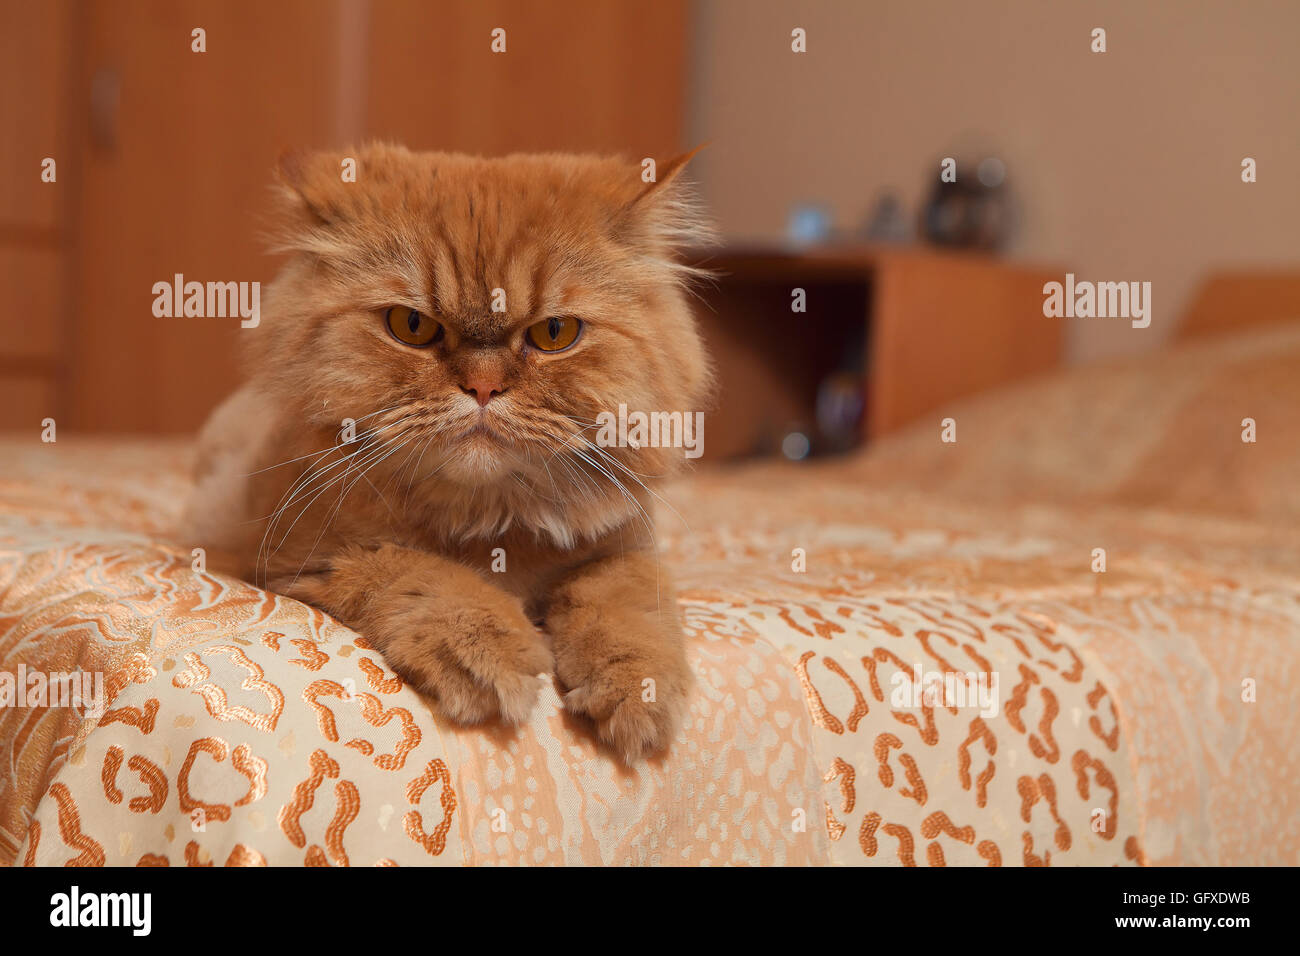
point(413, 450)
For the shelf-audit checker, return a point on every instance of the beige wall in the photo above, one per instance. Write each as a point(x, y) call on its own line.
point(1127, 164)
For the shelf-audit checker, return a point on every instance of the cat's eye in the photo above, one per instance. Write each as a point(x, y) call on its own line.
point(411, 327)
point(554, 334)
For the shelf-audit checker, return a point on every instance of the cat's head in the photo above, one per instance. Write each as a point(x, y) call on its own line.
point(478, 319)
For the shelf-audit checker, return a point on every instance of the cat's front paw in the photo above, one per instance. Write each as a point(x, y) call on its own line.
point(637, 699)
point(478, 661)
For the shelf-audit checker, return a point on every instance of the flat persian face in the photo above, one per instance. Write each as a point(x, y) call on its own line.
point(475, 318)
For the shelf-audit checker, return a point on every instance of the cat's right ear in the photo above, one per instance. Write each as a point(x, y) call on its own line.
point(309, 188)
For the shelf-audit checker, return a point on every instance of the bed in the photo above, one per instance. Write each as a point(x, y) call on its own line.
point(1144, 713)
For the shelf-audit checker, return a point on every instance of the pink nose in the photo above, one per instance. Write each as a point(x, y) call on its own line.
point(483, 389)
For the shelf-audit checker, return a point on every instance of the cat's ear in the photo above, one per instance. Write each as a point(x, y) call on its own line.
point(665, 212)
point(665, 176)
point(310, 188)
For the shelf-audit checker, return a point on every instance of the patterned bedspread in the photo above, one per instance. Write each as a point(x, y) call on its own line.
point(1140, 714)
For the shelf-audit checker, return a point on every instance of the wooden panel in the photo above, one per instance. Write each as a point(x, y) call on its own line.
point(30, 302)
point(582, 75)
point(35, 62)
point(1238, 300)
point(177, 182)
point(946, 326)
point(25, 401)
point(37, 46)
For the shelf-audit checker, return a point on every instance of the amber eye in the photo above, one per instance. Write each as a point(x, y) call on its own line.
point(411, 327)
point(554, 334)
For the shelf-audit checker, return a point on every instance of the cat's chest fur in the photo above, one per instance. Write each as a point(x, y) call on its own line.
point(279, 522)
point(495, 538)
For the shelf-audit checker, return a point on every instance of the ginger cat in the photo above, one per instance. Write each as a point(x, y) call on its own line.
point(472, 317)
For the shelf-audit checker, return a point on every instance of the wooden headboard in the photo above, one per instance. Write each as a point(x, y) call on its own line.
point(1228, 301)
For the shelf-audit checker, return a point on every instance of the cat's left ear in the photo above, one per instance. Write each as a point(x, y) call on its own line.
point(665, 176)
point(665, 211)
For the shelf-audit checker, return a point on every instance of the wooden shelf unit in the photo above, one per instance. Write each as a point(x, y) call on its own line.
point(924, 327)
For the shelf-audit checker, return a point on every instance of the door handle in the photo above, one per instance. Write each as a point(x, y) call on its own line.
point(105, 99)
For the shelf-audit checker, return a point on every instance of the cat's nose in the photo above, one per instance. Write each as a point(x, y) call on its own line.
point(483, 388)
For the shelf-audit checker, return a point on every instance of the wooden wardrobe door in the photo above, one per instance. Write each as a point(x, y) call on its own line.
point(178, 153)
point(576, 76)
point(180, 145)
point(36, 56)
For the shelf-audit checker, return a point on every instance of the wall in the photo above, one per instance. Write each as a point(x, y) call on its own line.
point(1127, 163)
